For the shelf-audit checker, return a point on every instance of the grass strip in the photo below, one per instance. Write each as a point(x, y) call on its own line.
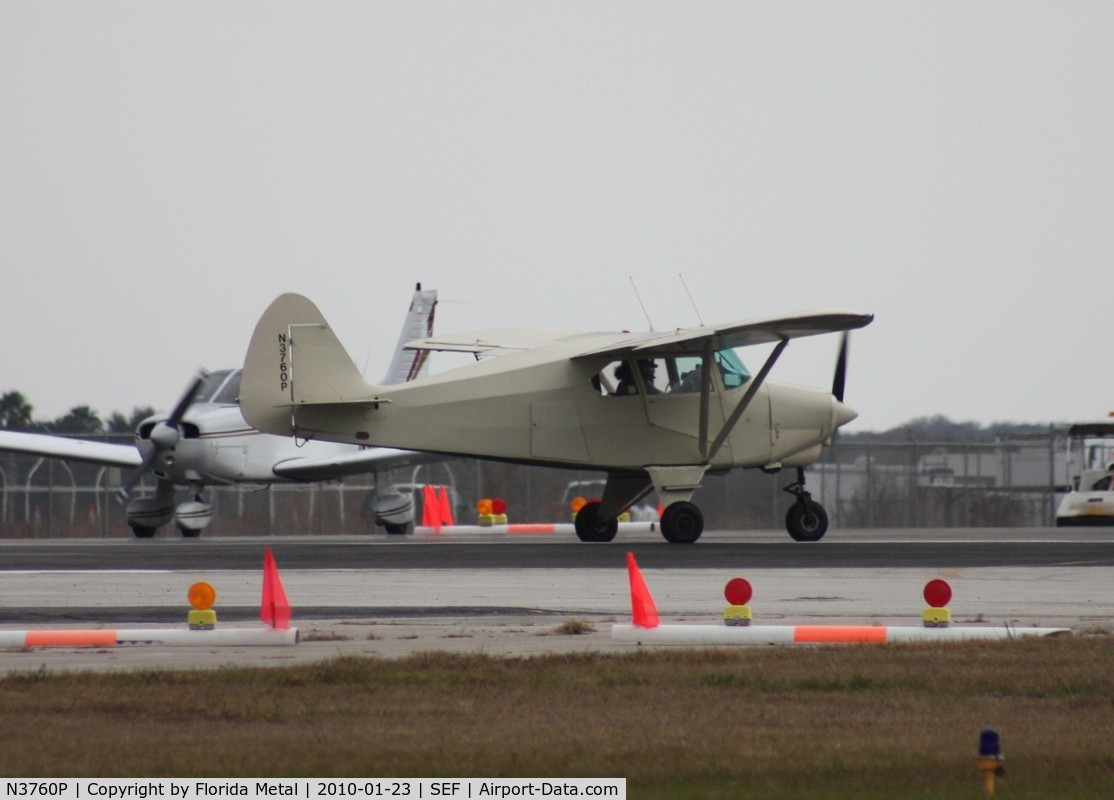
point(897, 721)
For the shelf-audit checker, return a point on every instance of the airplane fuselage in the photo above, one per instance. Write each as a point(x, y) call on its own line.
point(219, 448)
point(542, 407)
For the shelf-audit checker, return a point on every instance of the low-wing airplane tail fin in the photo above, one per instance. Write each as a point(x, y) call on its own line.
point(294, 359)
point(406, 365)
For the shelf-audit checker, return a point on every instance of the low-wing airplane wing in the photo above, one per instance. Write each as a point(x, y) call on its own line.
point(48, 446)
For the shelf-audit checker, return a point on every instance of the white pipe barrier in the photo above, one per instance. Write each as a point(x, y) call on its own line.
point(810, 634)
point(173, 637)
point(563, 528)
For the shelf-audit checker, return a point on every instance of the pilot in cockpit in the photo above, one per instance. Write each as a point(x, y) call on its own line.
point(627, 385)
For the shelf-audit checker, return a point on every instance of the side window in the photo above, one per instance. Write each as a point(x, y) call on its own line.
point(614, 379)
point(689, 371)
point(618, 377)
point(663, 375)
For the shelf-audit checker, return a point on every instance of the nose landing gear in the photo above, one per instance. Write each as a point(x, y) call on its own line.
point(806, 520)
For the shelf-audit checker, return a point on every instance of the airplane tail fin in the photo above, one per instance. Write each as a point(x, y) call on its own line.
point(410, 364)
point(295, 359)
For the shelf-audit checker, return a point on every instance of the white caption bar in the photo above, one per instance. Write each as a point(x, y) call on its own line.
point(309, 788)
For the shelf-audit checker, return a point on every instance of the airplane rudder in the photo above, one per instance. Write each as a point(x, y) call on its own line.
point(293, 336)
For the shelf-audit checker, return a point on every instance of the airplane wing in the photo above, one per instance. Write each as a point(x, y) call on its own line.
point(488, 341)
point(40, 444)
point(371, 459)
point(734, 334)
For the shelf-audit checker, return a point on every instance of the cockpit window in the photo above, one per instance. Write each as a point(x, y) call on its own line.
point(229, 393)
point(221, 387)
point(731, 369)
point(667, 375)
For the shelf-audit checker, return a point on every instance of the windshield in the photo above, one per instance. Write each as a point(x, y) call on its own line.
point(221, 387)
point(731, 369)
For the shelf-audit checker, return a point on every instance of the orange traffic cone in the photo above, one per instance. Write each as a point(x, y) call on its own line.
point(275, 608)
point(445, 507)
point(643, 610)
point(431, 513)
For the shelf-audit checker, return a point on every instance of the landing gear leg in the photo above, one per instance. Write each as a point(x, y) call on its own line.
point(806, 520)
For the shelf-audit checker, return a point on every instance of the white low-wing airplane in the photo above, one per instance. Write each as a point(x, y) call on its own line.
point(654, 410)
point(205, 441)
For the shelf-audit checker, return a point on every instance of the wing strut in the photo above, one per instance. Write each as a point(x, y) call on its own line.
point(755, 383)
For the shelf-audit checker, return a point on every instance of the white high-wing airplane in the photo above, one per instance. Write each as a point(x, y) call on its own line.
point(656, 411)
point(205, 441)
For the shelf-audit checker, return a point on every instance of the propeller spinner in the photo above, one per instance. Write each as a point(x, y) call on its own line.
point(164, 436)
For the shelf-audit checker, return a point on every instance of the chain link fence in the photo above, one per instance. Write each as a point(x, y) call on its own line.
point(1002, 484)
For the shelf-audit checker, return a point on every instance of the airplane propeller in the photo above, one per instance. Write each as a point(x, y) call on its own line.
point(165, 434)
point(840, 378)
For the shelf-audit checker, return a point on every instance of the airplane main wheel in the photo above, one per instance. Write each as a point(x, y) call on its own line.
point(682, 523)
point(143, 532)
point(189, 533)
point(806, 521)
point(591, 528)
point(399, 530)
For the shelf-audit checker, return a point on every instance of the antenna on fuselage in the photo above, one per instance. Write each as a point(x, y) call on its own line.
point(637, 295)
point(699, 318)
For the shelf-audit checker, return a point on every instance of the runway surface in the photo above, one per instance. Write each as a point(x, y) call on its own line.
point(510, 594)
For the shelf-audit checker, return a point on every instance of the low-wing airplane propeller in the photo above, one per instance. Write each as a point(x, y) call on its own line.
point(656, 411)
point(165, 434)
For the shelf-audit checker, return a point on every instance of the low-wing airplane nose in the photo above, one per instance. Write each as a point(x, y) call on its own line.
point(842, 413)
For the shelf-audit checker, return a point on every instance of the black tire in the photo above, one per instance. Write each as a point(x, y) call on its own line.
point(143, 532)
point(189, 533)
point(399, 530)
point(589, 526)
point(682, 523)
point(806, 521)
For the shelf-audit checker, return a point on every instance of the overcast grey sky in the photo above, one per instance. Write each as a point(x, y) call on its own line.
point(168, 169)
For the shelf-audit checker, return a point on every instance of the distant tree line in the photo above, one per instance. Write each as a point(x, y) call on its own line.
point(940, 429)
point(17, 414)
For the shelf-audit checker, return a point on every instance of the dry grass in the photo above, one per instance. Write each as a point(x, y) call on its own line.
point(834, 722)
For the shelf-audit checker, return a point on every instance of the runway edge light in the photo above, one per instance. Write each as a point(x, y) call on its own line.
point(738, 593)
point(202, 617)
point(990, 758)
point(937, 593)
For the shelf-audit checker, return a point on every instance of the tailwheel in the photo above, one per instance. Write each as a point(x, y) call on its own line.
point(806, 520)
point(682, 523)
point(590, 527)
